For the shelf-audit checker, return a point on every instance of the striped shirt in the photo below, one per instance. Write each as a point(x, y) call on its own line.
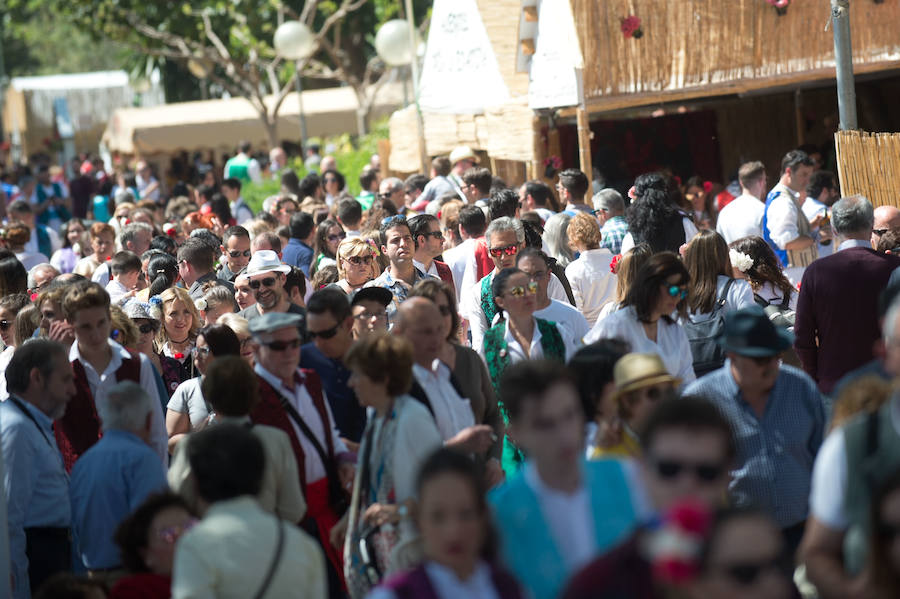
point(775, 452)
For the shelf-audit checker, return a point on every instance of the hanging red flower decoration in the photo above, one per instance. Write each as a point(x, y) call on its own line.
point(707, 186)
point(614, 265)
point(781, 6)
point(631, 27)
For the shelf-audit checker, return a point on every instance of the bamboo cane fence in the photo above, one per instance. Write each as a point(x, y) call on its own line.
point(869, 165)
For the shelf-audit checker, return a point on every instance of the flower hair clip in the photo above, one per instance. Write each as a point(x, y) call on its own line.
point(614, 265)
point(740, 260)
point(374, 247)
point(673, 548)
point(201, 304)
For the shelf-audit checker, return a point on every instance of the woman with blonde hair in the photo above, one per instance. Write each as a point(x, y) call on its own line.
point(216, 301)
point(175, 340)
point(241, 328)
point(357, 263)
point(592, 282)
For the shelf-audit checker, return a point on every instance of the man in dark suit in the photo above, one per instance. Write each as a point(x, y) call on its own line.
point(837, 323)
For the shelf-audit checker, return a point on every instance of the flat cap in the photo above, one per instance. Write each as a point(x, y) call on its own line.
point(274, 321)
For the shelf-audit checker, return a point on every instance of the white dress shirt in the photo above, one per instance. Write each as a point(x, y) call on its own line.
point(671, 343)
point(783, 214)
point(446, 585)
point(302, 401)
point(452, 413)
point(101, 383)
point(457, 258)
point(567, 317)
point(535, 351)
point(593, 284)
point(115, 290)
point(741, 217)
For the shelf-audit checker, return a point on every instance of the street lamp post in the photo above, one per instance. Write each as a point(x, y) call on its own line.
point(396, 43)
point(295, 41)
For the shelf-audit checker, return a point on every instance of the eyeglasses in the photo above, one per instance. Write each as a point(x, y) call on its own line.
point(5, 324)
point(360, 260)
point(370, 315)
point(880, 232)
point(144, 328)
point(337, 237)
point(239, 253)
point(328, 180)
point(282, 345)
point(520, 290)
point(392, 220)
point(705, 472)
point(326, 334)
point(509, 250)
point(679, 291)
point(170, 534)
point(746, 574)
point(268, 282)
point(200, 352)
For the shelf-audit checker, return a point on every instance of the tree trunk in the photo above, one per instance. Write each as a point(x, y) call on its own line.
point(270, 122)
point(363, 107)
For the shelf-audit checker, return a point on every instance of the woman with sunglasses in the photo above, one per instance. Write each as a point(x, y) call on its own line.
point(712, 293)
point(141, 314)
point(188, 411)
point(329, 235)
point(357, 264)
point(333, 184)
point(645, 320)
point(519, 336)
point(146, 540)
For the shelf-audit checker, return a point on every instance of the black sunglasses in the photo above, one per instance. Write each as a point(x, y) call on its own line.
point(282, 345)
point(706, 472)
point(5, 324)
point(326, 334)
point(239, 253)
point(268, 282)
point(144, 328)
point(880, 232)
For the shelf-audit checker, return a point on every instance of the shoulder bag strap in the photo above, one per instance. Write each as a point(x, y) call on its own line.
point(276, 559)
point(29, 415)
point(307, 432)
point(720, 301)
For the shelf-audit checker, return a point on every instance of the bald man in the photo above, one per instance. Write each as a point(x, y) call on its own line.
point(420, 322)
point(886, 218)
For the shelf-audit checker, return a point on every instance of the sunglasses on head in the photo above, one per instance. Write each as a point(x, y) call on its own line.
point(360, 260)
point(5, 324)
point(748, 573)
point(282, 345)
point(239, 253)
point(268, 282)
point(509, 250)
point(326, 334)
point(391, 220)
point(520, 290)
point(679, 291)
point(705, 472)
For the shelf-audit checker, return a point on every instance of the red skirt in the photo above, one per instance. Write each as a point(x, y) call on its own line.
point(319, 509)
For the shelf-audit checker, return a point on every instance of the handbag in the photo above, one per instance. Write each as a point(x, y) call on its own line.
point(703, 336)
point(276, 559)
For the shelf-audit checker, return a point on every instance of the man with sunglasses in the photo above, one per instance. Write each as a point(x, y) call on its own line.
point(266, 277)
point(329, 328)
point(429, 241)
point(778, 416)
point(293, 399)
point(235, 253)
point(401, 274)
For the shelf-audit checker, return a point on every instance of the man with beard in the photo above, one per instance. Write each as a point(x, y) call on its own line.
point(266, 276)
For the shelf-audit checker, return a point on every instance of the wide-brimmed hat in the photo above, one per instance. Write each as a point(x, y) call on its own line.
point(462, 153)
point(135, 310)
point(265, 261)
point(380, 295)
point(749, 332)
point(636, 371)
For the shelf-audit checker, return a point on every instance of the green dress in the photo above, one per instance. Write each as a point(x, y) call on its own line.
point(496, 354)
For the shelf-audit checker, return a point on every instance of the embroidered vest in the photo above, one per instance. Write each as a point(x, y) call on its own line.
point(488, 305)
point(496, 354)
point(80, 428)
point(415, 584)
point(270, 411)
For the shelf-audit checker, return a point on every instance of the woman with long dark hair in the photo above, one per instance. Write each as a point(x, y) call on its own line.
point(645, 319)
point(753, 259)
point(329, 235)
point(65, 258)
point(654, 217)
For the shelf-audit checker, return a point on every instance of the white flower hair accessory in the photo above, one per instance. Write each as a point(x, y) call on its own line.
point(740, 260)
point(201, 304)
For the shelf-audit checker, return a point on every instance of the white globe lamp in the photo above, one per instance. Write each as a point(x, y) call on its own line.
point(392, 43)
point(294, 40)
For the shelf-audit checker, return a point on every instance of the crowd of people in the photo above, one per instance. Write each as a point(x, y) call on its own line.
point(447, 387)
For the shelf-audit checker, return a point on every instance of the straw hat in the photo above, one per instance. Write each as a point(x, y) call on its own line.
point(636, 371)
point(462, 153)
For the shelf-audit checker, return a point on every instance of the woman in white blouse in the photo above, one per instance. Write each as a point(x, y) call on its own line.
point(454, 521)
point(593, 283)
point(399, 436)
point(645, 320)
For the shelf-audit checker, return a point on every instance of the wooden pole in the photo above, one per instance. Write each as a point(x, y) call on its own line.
point(584, 141)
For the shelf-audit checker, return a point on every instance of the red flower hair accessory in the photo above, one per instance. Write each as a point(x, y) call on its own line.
point(707, 186)
point(674, 548)
point(614, 265)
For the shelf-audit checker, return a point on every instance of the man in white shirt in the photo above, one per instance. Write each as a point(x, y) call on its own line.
point(784, 225)
point(821, 193)
point(461, 259)
point(742, 216)
point(572, 187)
point(147, 184)
point(534, 263)
point(239, 550)
point(419, 321)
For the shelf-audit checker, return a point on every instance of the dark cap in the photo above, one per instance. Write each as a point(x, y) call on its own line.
point(375, 294)
point(749, 332)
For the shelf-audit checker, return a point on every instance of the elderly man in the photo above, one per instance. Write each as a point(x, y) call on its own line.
point(40, 276)
point(266, 276)
point(778, 416)
point(886, 218)
point(40, 384)
point(293, 400)
point(391, 191)
point(832, 340)
point(114, 476)
point(463, 423)
point(609, 207)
